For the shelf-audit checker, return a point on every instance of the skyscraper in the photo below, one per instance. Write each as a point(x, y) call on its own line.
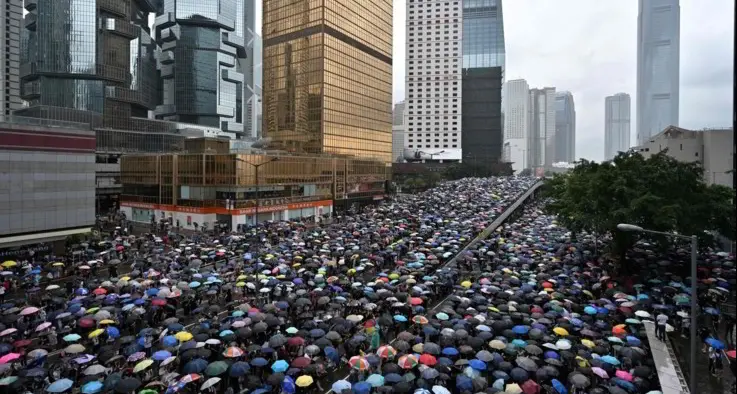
point(202, 60)
point(541, 130)
point(455, 70)
point(616, 125)
point(89, 61)
point(328, 76)
point(253, 73)
point(658, 51)
point(398, 131)
point(516, 123)
point(565, 128)
point(11, 15)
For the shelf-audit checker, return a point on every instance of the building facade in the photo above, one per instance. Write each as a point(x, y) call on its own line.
point(541, 128)
point(48, 177)
point(713, 148)
point(433, 85)
point(253, 73)
point(658, 66)
point(327, 70)
point(203, 51)
point(565, 128)
point(11, 17)
point(89, 61)
point(398, 132)
point(516, 124)
point(616, 125)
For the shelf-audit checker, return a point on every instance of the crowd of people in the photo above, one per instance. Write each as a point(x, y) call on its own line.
point(372, 304)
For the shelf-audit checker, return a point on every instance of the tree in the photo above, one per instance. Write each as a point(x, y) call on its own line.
point(658, 193)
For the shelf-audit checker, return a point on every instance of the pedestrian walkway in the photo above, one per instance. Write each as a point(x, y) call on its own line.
point(671, 379)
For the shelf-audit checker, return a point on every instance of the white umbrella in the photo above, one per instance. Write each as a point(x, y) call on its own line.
point(209, 383)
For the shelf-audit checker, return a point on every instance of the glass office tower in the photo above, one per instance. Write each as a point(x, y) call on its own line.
point(483, 34)
point(327, 76)
point(89, 61)
point(203, 56)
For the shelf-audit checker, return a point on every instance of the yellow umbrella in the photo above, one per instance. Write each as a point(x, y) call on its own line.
point(494, 309)
point(304, 381)
point(582, 362)
point(9, 263)
point(240, 284)
point(96, 333)
point(466, 284)
point(560, 331)
point(126, 278)
point(59, 264)
point(394, 276)
point(107, 321)
point(92, 310)
point(513, 388)
point(183, 336)
point(588, 343)
point(142, 365)
point(241, 277)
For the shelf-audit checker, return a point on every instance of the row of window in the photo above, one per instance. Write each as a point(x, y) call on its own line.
point(429, 146)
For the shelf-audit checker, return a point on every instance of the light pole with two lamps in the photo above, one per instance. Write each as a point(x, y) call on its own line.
point(256, 167)
point(631, 228)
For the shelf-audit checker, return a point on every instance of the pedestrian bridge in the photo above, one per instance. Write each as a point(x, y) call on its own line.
point(669, 372)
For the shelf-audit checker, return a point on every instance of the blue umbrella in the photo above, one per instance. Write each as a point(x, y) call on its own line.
point(225, 333)
point(194, 285)
point(175, 327)
point(400, 318)
point(288, 386)
point(520, 330)
point(477, 365)
point(259, 362)
point(715, 343)
point(393, 378)
point(195, 366)
point(239, 369)
point(279, 366)
point(711, 311)
point(161, 355)
point(551, 354)
point(559, 387)
point(362, 388)
point(634, 341)
point(375, 380)
point(92, 387)
point(152, 291)
point(112, 332)
point(464, 383)
point(60, 386)
point(450, 351)
point(169, 341)
point(610, 360)
point(341, 385)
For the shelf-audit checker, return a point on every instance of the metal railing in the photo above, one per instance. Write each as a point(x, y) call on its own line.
point(42, 122)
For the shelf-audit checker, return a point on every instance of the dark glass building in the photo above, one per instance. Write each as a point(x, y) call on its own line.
point(565, 128)
point(202, 61)
point(327, 76)
point(89, 61)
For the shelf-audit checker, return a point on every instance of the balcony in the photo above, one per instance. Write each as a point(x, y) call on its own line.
point(30, 21)
point(117, 7)
point(30, 5)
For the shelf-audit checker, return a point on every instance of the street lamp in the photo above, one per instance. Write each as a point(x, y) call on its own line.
point(256, 167)
point(694, 290)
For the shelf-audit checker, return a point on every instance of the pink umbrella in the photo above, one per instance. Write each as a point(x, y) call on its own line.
point(29, 311)
point(9, 357)
point(8, 331)
point(624, 375)
point(43, 326)
point(600, 372)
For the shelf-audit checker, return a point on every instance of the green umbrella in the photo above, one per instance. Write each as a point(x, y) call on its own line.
point(216, 368)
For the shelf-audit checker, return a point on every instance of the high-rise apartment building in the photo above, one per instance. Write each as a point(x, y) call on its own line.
point(658, 69)
point(253, 73)
point(616, 125)
point(516, 123)
point(455, 70)
point(541, 127)
point(203, 51)
point(89, 61)
point(11, 16)
point(565, 128)
point(328, 76)
point(398, 131)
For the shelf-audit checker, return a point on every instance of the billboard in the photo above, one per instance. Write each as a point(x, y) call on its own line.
point(413, 154)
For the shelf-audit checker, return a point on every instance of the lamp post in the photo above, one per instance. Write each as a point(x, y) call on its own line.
point(256, 167)
point(694, 291)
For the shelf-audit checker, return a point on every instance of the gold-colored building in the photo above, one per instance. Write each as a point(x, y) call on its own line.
point(223, 187)
point(327, 76)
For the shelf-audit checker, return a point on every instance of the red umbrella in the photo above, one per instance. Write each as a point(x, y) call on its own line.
point(87, 322)
point(428, 359)
point(21, 343)
point(99, 291)
point(295, 341)
point(301, 362)
point(158, 302)
point(530, 387)
point(119, 248)
point(732, 353)
point(415, 301)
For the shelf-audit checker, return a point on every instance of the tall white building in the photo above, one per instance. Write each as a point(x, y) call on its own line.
point(658, 52)
point(616, 125)
point(11, 15)
point(541, 128)
point(398, 132)
point(434, 65)
point(516, 119)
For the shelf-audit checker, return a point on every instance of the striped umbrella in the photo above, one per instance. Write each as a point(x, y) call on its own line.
point(190, 378)
point(233, 352)
point(359, 363)
point(420, 320)
point(386, 352)
point(407, 362)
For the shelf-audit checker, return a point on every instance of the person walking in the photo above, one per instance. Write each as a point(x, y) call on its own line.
point(661, 321)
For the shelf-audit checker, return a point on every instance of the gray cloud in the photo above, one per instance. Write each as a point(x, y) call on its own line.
point(589, 48)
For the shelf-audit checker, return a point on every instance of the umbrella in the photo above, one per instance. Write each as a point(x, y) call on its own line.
point(60, 386)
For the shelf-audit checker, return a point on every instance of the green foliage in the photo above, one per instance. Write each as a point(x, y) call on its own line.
point(658, 193)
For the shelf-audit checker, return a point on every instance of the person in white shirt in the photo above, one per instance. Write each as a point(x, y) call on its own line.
point(661, 320)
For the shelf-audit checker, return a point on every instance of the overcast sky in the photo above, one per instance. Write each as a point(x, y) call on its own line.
point(590, 49)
